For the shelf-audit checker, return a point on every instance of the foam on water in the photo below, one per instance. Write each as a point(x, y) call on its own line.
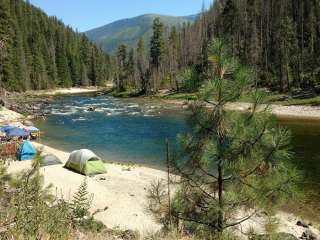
point(118, 129)
point(79, 119)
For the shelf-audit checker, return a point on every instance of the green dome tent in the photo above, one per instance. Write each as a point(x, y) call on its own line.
point(85, 162)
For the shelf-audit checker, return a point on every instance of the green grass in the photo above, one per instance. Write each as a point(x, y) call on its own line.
point(279, 99)
point(126, 94)
point(181, 96)
point(315, 101)
point(272, 98)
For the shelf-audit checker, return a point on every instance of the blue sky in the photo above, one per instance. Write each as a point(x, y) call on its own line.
point(87, 14)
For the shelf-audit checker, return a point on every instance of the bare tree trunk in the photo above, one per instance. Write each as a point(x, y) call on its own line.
point(220, 131)
point(220, 194)
point(168, 181)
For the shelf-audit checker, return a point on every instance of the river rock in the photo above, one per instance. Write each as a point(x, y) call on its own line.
point(28, 123)
point(2, 103)
point(308, 235)
point(302, 224)
point(277, 236)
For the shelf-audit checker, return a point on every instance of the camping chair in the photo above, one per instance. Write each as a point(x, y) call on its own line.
point(8, 150)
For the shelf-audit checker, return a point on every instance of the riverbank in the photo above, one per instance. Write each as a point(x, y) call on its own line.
point(32, 103)
point(122, 192)
point(43, 97)
point(299, 112)
point(70, 91)
point(118, 182)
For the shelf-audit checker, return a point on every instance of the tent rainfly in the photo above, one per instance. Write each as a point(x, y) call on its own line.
point(17, 132)
point(84, 161)
point(32, 129)
point(26, 151)
point(6, 128)
point(49, 160)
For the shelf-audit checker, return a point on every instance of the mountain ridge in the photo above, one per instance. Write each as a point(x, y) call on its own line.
point(129, 30)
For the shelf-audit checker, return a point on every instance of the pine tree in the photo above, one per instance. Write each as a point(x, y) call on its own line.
point(81, 202)
point(156, 51)
point(173, 56)
point(289, 51)
point(6, 34)
point(41, 52)
point(132, 69)
point(142, 68)
point(121, 67)
point(231, 161)
point(157, 43)
point(35, 211)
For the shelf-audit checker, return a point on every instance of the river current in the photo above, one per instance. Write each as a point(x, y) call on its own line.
point(134, 130)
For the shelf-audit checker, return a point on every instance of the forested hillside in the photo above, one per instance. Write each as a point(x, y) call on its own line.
point(279, 39)
point(40, 52)
point(129, 31)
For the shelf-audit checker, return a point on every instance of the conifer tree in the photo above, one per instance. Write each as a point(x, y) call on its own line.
point(142, 68)
point(121, 67)
point(173, 56)
point(33, 211)
point(157, 49)
point(81, 202)
point(6, 58)
point(157, 43)
point(41, 52)
point(231, 161)
point(132, 69)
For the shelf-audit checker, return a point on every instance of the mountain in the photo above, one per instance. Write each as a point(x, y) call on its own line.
point(129, 31)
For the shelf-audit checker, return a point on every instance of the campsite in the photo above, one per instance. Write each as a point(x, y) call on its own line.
point(159, 120)
point(16, 145)
point(113, 186)
point(15, 142)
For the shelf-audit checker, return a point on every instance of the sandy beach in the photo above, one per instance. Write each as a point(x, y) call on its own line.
point(7, 116)
point(64, 91)
point(283, 112)
point(123, 191)
point(299, 112)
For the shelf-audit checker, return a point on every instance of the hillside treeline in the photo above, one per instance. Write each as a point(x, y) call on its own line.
point(40, 52)
point(279, 39)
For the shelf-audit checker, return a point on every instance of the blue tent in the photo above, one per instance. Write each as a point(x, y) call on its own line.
point(26, 151)
point(6, 128)
point(32, 129)
point(17, 132)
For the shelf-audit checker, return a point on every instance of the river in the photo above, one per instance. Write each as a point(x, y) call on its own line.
point(134, 130)
point(121, 130)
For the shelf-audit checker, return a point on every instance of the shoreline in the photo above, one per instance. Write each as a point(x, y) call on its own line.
point(282, 112)
point(69, 91)
point(123, 189)
point(294, 112)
